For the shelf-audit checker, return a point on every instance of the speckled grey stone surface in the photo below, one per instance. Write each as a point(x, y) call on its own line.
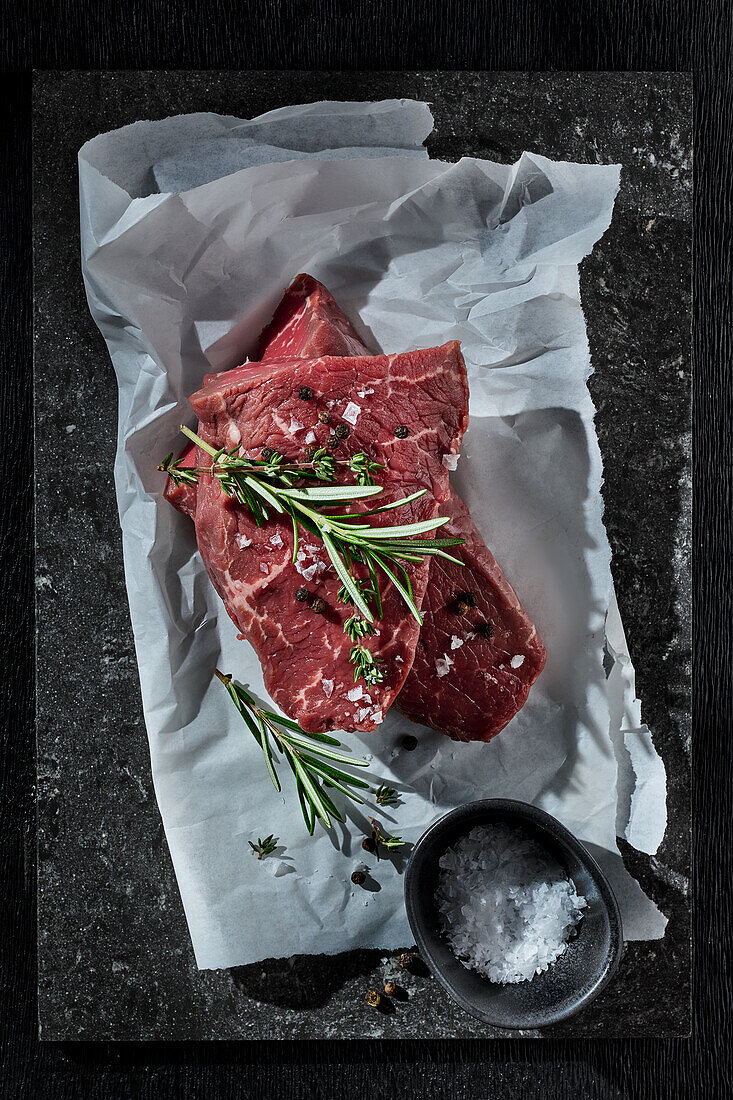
point(115, 960)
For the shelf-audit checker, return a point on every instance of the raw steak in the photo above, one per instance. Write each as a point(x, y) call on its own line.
point(469, 691)
point(462, 682)
point(305, 655)
point(473, 668)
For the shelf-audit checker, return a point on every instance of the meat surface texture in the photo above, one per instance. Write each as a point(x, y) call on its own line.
point(479, 652)
point(307, 323)
point(304, 654)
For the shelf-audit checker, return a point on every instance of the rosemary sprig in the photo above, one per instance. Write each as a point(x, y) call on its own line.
point(385, 796)
point(384, 840)
point(264, 847)
point(347, 539)
point(366, 665)
point(310, 756)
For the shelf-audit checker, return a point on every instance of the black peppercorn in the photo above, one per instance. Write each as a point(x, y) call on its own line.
point(343, 431)
point(405, 960)
point(409, 742)
point(302, 595)
point(402, 431)
point(369, 844)
point(390, 988)
point(318, 605)
point(305, 393)
point(373, 998)
point(469, 598)
point(486, 630)
point(460, 607)
point(334, 443)
point(267, 453)
point(358, 878)
point(324, 416)
point(310, 451)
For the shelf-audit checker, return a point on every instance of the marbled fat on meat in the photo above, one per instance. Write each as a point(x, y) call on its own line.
point(258, 405)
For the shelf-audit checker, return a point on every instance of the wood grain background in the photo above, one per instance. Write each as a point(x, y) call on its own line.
point(587, 34)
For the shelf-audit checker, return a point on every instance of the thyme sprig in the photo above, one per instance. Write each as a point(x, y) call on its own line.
point(385, 796)
point(346, 537)
point(384, 840)
point(264, 847)
point(366, 665)
point(322, 466)
point(310, 756)
point(355, 627)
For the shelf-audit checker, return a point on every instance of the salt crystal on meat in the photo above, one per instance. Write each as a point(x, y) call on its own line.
point(443, 664)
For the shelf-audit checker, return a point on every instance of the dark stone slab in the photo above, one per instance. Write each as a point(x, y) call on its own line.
point(115, 960)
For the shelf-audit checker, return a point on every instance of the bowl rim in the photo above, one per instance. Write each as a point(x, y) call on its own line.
point(550, 825)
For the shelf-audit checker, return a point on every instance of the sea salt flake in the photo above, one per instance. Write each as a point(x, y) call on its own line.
point(311, 437)
point(327, 686)
point(443, 665)
point(518, 661)
point(264, 568)
point(276, 540)
point(451, 461)
point(242, 541)
point(365, 391)
point(456, 642)
point(295, 425)
point(351, 412)
point(355, 693)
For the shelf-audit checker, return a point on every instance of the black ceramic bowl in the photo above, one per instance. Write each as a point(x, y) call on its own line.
point(579, 974)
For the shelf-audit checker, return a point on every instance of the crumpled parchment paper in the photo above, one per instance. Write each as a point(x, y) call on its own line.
point(191, 228)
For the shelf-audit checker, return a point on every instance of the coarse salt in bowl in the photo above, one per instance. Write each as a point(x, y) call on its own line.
point(512, 914)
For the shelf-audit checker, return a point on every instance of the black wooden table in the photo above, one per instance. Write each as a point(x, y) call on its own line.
point(461, 36)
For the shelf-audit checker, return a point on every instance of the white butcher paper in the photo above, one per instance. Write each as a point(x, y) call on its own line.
point(417, 252)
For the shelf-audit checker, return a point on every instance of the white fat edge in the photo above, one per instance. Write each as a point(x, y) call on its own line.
point(451, 461)
point(518, 661)
point(351, 412)
point(456, 642)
